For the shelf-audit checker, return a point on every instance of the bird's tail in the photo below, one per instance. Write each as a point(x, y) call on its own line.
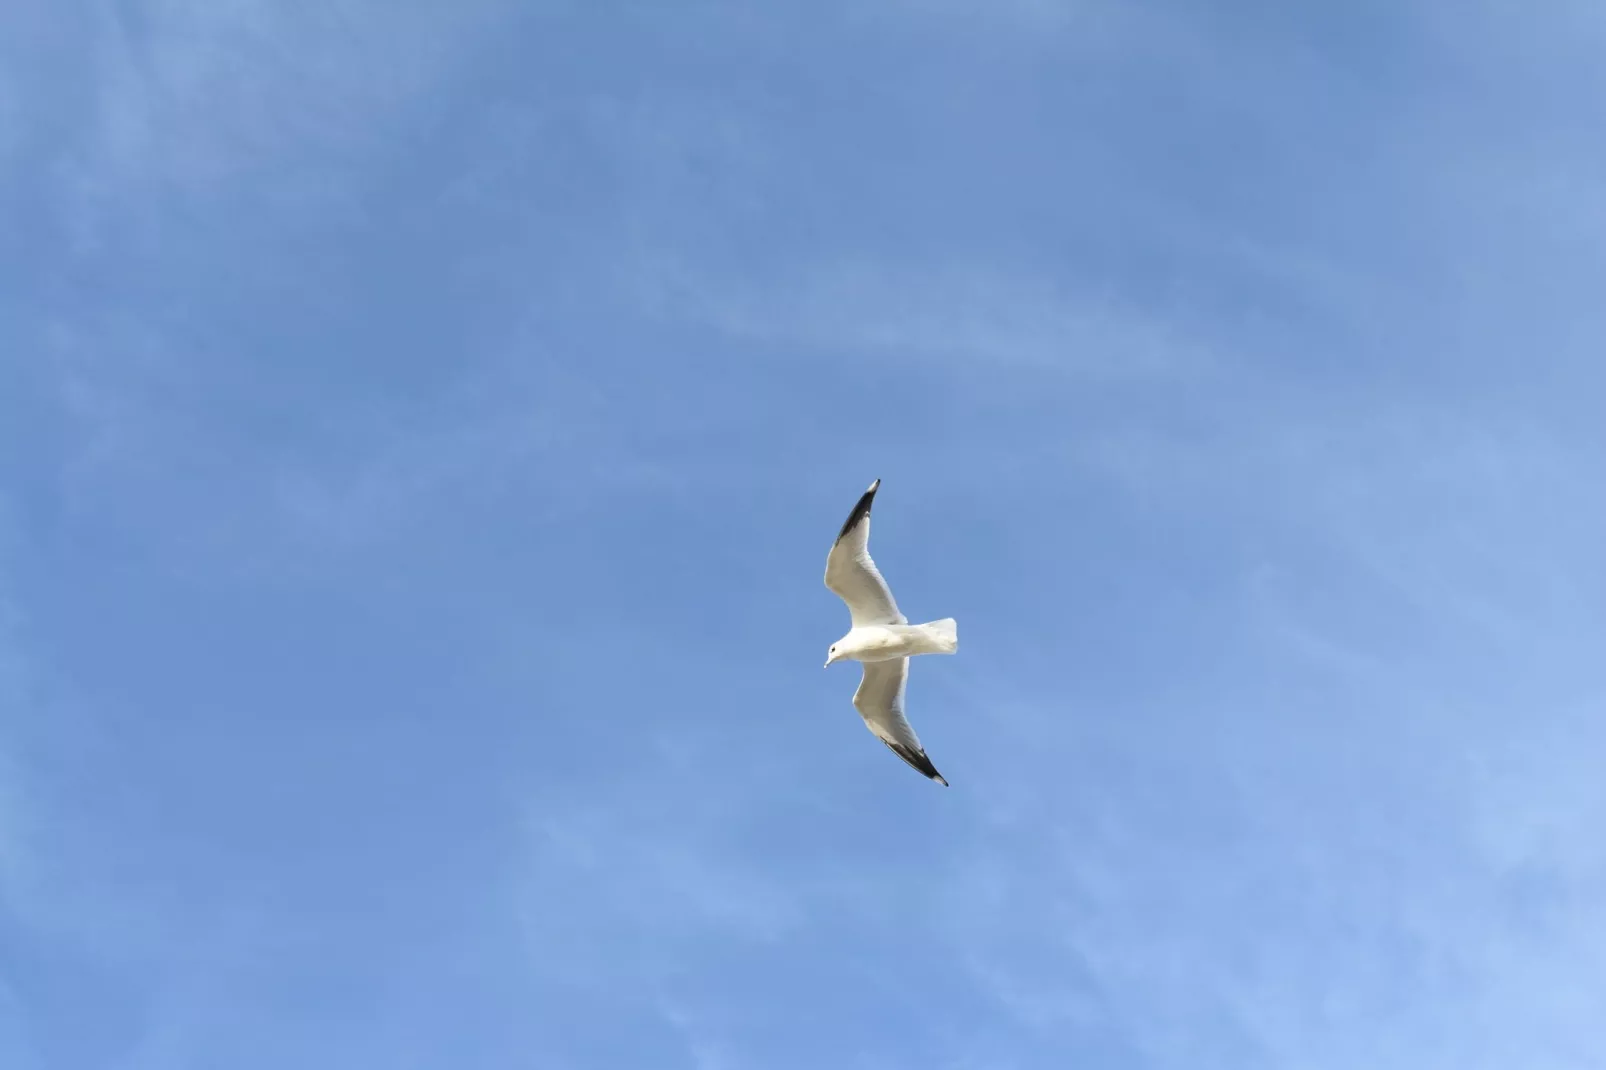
point(944, 635)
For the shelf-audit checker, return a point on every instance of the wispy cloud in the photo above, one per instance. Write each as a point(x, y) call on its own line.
point(246, 98)
point(977, 317)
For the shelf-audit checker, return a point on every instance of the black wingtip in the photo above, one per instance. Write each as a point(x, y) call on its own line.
point(918, 759)
point(861, 509)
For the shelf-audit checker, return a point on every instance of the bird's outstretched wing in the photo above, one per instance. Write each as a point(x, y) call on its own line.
point(879, 701)
point(853, 577)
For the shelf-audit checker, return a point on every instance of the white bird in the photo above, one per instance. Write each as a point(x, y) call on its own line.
point(881, 637)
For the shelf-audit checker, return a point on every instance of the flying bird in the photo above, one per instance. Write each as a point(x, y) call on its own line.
point(881, 638)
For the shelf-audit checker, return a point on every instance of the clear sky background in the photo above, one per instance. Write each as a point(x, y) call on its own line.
point(422, 426)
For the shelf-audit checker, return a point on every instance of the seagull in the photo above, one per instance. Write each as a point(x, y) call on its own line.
point(881, 638)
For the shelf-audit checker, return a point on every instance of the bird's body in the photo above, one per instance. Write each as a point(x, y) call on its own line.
point(881, 638)
point(884, 642)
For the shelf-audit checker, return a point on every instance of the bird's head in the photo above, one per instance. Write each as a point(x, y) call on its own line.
point(831, 655)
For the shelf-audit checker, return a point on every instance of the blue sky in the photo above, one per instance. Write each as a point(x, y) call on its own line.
point(422, 427)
